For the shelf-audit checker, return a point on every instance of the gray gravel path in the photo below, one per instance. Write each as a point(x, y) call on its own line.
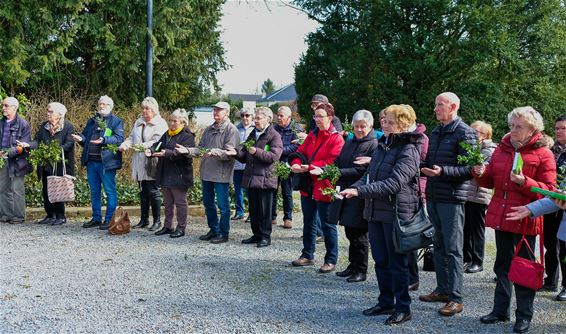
point(70, 280)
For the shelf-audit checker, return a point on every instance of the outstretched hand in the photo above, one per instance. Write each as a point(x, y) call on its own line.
point(518, 213)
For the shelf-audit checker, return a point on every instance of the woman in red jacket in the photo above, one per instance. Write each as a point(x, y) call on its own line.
point(319, 149)
point(512, 188)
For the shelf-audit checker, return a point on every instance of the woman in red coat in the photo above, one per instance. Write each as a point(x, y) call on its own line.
point(319, 149)
point(512, 188)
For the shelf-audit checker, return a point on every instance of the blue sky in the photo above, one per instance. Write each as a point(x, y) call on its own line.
point(263, 39)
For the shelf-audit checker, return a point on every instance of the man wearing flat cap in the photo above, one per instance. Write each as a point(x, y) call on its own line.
point(13, 129)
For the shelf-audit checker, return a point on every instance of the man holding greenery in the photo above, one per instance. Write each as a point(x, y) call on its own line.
point(100, 139)
point(13, 128)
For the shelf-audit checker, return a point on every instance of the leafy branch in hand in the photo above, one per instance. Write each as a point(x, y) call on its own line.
point(330, 173)
point(45, 154)
point(139, 148)
point(329, 192)
point(347, 125)
point(101, 124)
point(296, 133)
point(282, 170)
point(473, 156)
point(203, 150)
point(3, 157)
point(249, 143)
point(111, 147)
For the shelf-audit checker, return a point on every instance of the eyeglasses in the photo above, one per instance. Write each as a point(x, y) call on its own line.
point(6, 105)
point(318, 117)
point(246, 115)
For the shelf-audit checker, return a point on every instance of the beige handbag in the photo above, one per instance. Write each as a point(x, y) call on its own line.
point(60, 188)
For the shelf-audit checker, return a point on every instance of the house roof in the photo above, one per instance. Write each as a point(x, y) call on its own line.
point(244, 97)
point(287, 93)
point(202, 109)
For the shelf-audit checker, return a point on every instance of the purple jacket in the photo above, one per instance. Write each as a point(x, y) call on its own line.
point(19, 130)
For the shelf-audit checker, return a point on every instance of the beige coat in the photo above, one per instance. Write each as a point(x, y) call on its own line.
point(221, 136)
point(153, 130)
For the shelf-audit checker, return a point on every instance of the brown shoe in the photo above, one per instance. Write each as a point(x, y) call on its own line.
point(274, 222)
point(434, 297)
point(287, 223)
point(451, 308)
point(326, 268)
point(301, 262)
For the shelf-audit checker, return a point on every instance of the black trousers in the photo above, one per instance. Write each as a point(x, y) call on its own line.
point(474, 232)
point(260, 201)
point(150, 196)
point(506, 243)
point(555, 250)
point(52, 210)
point(413, 262)
point(358, 251)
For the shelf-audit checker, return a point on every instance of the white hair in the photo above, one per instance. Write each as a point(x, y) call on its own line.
point(529, 114)
point(265, 112)
point(12, 101)
point(151, 103)
point(452, 98)
point(363, 115)
point(58, 108)
point(285, 110)
point(181, 114)
point(106, 99)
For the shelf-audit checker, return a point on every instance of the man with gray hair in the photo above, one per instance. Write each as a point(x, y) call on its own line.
point(100, 139)
point(446, 195)
point(288, 129)
point(13, 129)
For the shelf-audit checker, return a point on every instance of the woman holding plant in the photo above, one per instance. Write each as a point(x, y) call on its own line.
point(259, 174)
point(390, 189)
point(174, 171)
point(55, 130)
point(521, 161)
point(350, 213)
point(320, 148)
point(147, 130)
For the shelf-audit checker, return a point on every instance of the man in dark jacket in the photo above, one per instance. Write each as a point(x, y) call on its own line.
point(101, 161)
point(288, 129)
point(13, 129)
point(445, 200)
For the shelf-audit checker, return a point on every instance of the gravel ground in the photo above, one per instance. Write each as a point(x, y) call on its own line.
point(71, 280)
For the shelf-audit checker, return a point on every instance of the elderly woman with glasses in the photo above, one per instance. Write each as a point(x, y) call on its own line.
point(512, 185)
point(174, 171)
point(55, 128)
point(320, 148)
point(245, 127)
point(147, 130)
point(259, 177)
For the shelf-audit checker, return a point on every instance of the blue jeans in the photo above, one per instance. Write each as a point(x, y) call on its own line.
point(239, 193)
point(391, 268)
point(209, 190)
point(310, 208)
point(448, 222)
point(96, 175)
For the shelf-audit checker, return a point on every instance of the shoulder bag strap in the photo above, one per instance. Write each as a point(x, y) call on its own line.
point(64, 167)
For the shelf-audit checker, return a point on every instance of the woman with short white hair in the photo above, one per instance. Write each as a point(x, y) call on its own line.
point(174, 171)
point(55, 128)
point(147, 130)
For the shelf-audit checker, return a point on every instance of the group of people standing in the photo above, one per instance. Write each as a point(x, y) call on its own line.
point(384, 175)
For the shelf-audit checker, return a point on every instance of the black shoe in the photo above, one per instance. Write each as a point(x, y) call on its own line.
point(164, 230)
point(177, 234)
point(357, 277)
point(561, 296)
point(143, 223)
point(237, 217)
point(549, 288)
point(414, 286)
point(521, 326)
point(398, 318)
point(46, 221)
point(377, 310)
point(219, 239)
point(466, 265)
point(207, 236)
point(493, 318)
point(263, 243)
point(155, 226)
point(91, 223)
point(251, 240)
point(474, 268)
point(104, 226)
point(59, 221)
point(345, 273)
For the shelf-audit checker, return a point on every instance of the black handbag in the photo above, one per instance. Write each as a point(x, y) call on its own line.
point(427, 255)
point(415, 233)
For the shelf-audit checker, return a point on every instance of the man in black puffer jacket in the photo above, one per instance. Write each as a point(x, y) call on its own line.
point(446, 196)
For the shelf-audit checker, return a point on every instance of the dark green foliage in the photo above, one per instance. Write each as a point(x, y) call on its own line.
point(331, 173)
point(45, 154)
point(249, 143)
point(473, 156)
point(282, 170)
point(495, 55)
point(98, 46)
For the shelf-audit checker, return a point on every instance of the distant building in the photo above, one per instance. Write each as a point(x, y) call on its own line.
point(203, 115)
point(248, 100)
point(286, 96)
